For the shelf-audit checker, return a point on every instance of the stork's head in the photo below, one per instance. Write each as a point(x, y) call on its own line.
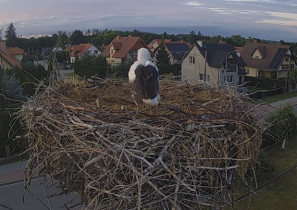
point(144, 54)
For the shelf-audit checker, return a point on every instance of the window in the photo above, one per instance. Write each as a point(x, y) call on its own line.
point(96, 52)
point(229, 78)
point(192, 60)
point(247, 71)
point(201, 76)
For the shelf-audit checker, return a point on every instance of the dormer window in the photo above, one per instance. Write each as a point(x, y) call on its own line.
point(256, 54)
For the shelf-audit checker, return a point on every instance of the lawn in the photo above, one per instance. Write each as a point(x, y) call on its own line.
point(278, 97)
point(282, 193)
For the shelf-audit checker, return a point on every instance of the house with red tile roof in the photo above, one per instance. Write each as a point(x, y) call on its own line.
point(155, 44)
point(268, 60)
point(10, 57)
point(17, 52)
point(123, 49)
point(78, 51)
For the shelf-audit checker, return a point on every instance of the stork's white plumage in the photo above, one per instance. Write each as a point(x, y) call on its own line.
point(144, 78)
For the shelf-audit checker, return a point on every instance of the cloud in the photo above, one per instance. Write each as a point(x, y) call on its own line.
point(253, 1)
point(222, 10)
point(281, 18)
point(193, 3)
point(245, 12)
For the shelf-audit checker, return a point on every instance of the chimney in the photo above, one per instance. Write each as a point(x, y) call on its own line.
point(237, 53)
point(200, 43)
point(118, 37)
point(129, 36)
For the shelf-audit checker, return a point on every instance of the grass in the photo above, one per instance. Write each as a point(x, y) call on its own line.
point(282, 193)
point(278, 97)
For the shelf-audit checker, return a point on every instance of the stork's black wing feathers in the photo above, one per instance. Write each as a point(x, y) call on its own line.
point(146, 84)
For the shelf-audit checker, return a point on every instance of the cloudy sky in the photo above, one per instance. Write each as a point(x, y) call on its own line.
point(266, 19)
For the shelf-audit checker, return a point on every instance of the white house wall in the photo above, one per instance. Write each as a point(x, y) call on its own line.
point(195, 71)
point(93, 51)
point(192, 71)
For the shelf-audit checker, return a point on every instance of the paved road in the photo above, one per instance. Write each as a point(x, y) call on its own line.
point(38, 195)
point(265, 110)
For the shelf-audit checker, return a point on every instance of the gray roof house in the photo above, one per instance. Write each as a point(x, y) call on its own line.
point(214, 63)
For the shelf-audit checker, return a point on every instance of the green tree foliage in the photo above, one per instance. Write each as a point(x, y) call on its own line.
point(91, 66)
point(283, 123)
point(10, 127)
point(11, 37)
point(162, 55)
point(11, 87)
point(30, 76)
point(192, 37)
point(120, 71)
point(62, 39)
point(263, 83)
point(77, 37)
point(10, 98)
point(61, 56)
point(174, 69)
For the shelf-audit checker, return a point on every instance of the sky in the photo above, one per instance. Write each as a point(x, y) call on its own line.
point(265, 19)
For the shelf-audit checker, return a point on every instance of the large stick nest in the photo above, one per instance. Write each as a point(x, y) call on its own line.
point(182, 154)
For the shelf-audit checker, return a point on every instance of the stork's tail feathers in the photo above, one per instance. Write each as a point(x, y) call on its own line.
point(155, 101)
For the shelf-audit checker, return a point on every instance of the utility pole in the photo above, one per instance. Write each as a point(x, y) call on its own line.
point(289, 72)
point(204, 76)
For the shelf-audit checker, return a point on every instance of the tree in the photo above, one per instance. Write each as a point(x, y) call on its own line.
point(10, 35)
point(77, 37)
point(90, 66)
point(162, 55)
point(192, 37)
point(62, 38)
point(61, 56)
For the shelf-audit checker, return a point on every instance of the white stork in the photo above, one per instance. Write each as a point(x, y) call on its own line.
point(144, 78)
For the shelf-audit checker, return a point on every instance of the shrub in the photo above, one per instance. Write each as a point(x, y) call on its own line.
point(90, 66)
point(264, 83)
point(174, 69)
point(283, 123)
point(11, 87)
point(120, 71)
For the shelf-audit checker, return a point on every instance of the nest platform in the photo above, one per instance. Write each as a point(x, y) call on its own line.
point(182, 154)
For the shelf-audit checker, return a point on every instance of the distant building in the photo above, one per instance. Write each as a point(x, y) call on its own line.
point(123, 49)
point(268, 60)
point(78, 51)
point(175, 49)
point(155, 44)
point(10, 56)
point(214, 63)
point(17, 52)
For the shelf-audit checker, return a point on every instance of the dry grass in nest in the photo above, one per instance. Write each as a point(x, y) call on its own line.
point(181, 154)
